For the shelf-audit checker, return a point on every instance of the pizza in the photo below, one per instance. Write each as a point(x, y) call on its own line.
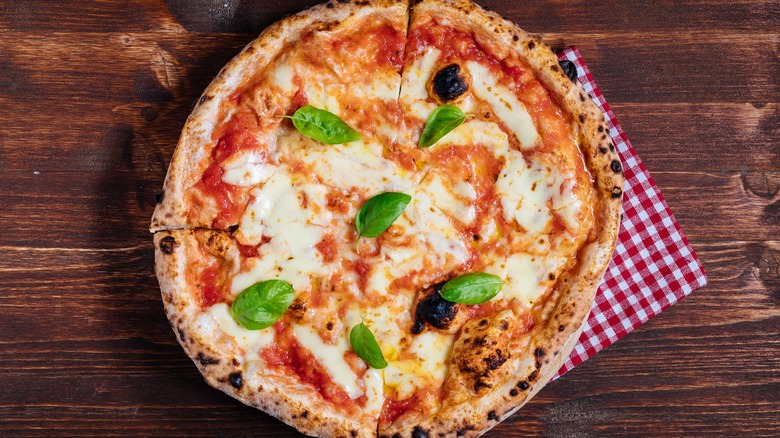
point(387, 219)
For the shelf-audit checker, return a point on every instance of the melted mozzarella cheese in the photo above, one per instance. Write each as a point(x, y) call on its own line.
point(331, 357)
point(246, 169)
point(451, 199)
point(527, 276)
point(375, 393)
point(282, 77)
point(524, 193)
point(357, 165)
point(429, 224)
point(504, 104)
point(219, 320)
point(432, 349)
point(414, 94)
point(277, 213)
point(478, 132)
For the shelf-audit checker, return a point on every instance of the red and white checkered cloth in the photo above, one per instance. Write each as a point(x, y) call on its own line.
point(653, 265)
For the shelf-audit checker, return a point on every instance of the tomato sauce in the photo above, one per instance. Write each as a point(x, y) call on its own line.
point(210, 283)
point(287, 353)
point(234, 136)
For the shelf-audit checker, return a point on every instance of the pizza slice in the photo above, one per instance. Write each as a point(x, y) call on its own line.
point(344, 58)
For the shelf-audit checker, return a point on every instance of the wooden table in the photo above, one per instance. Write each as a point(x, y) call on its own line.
point(94, 94)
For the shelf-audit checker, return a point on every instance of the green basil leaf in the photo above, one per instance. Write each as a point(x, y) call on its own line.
point(261, 304)
point(473, 288)
point(441, 121)
point(365, 345)
point(379, 212)
point(322, 125)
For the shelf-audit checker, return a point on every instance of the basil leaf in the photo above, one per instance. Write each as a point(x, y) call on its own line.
point(473, 288)
point(322, 125)
point(364, 344)
point(441, 121)
point(379, 212)
point(261, 304)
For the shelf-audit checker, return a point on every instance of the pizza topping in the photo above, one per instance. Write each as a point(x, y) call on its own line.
point(441, 121)
point(365, 345)
point(434, 310)
point(504, 103)
point(449, 83)
point(472, 288)
point(260, 305)
point(379, 212)
point(218, 321)
point(322, 125)
point(331, 357)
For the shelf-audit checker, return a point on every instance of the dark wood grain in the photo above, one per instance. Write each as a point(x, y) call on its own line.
point(94, 94)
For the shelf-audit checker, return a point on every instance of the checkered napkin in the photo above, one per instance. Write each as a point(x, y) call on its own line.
point(653, 265)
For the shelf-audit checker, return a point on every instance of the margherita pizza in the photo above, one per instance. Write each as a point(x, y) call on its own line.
point(386, 219)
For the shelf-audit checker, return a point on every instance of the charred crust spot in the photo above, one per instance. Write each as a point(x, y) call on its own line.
point(561, 328)
point(479, 385)
point(158, 198)
point(434, 310)
point(495, 360)
point(396, 435)
point(615, 166)
point(612, 147)
point(582, 97)
point(551, 276)
point(617, 192)
point(582, 118)
point(233, 228)
point(305, 414)
point(329, 326)
point(168, 244)
point(554, 68)
point(504, 325)
point(236, 380)
point(483, 323)
point(601, 128)
point(569, 69)
point(603, 150)
point(492, 415)
point(203, 99)
point(343, 1)
point(206, 360)
point(513, 392)
point(539, 352)
point(515, 38)
point(531, 45)
point(523, 385)
point(532, 376)
point(235, 362)
point(419, 432)
point(352, 432)
point(449, 83)
point(538, 364)
point(480, 341)
point(475, 237)
point(329, 6)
